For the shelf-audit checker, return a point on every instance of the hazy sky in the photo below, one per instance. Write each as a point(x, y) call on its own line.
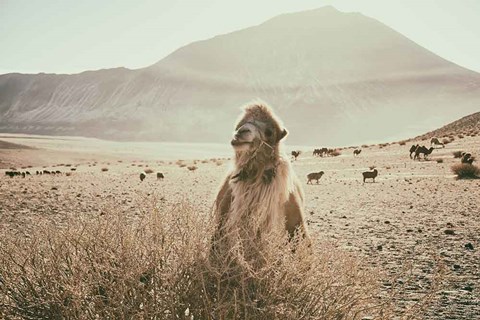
point(68, 36)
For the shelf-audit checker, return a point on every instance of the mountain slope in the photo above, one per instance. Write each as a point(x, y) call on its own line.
point(469, 125)
point(334, 78)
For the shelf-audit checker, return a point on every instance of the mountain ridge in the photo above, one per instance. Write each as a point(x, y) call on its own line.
point(322, 71)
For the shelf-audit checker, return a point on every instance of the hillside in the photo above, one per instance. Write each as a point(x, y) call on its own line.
point(322, 70)
point(467, 126)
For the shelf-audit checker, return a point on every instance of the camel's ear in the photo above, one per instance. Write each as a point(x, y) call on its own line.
point(283, 134)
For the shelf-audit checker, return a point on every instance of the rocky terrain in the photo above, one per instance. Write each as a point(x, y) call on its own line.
point(416, 225)
point(466, 126)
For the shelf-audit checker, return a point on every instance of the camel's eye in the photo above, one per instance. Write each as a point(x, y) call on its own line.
point(268, 132)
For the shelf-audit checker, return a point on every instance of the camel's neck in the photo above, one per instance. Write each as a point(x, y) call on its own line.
point(251, 166)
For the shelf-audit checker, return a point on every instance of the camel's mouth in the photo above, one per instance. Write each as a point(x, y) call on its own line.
point(238, 143)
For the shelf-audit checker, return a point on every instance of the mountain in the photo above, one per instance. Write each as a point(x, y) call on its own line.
point(334, 78)
point(467, 126)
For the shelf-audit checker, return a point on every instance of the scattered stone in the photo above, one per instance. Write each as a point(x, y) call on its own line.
point(449, 232)
point(469, 246)
point(468, 288)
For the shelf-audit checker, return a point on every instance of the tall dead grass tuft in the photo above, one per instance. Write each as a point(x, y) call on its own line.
point(466, 171)
point(161, 265)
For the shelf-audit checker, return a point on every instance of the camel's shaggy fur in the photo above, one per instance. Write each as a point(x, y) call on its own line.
point(261, 195)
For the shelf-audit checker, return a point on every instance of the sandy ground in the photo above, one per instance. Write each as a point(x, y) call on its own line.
point(416, 216)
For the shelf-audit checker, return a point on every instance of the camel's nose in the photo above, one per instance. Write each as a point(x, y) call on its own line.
point(241, 132)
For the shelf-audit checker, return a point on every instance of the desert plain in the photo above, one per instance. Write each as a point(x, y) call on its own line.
point(416, 225)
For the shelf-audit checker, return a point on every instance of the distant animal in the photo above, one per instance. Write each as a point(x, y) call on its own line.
point(435, 141)
point(317, 152)
point(160, 175)
point(295, 154)
point(356, 152)
point(11, 174)
point(412, 149)
point(73, 169)
point(422, 150)
point(467, 158)
point(314, 176)
point(23, 174)
point(27, 173)
point(46, 172)
point(370, 175)
point(143, 175)
point(58, 172)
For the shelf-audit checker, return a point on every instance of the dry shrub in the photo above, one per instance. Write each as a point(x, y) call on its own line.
point(158, 266)
point(148, 171)
point(446, 141)
point(460, 136)
point(457, 154)
point(439, 160)
point(402, 143)
point(104, 169)
point(192, 168)
point(466, 171)
point(182, 165)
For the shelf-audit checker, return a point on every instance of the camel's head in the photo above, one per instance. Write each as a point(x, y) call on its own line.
point(256, 125)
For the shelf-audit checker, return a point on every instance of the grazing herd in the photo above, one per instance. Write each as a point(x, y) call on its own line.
point(23, 174)
point(326, 152)
point(417, 152)
point(323, 152)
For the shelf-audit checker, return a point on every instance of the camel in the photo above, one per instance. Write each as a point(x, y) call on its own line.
point(423, 150)
point(435, 141)
point(262, 195)
point(412, 149)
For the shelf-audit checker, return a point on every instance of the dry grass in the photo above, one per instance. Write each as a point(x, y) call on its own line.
point(158, 266)
point(466, 171)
